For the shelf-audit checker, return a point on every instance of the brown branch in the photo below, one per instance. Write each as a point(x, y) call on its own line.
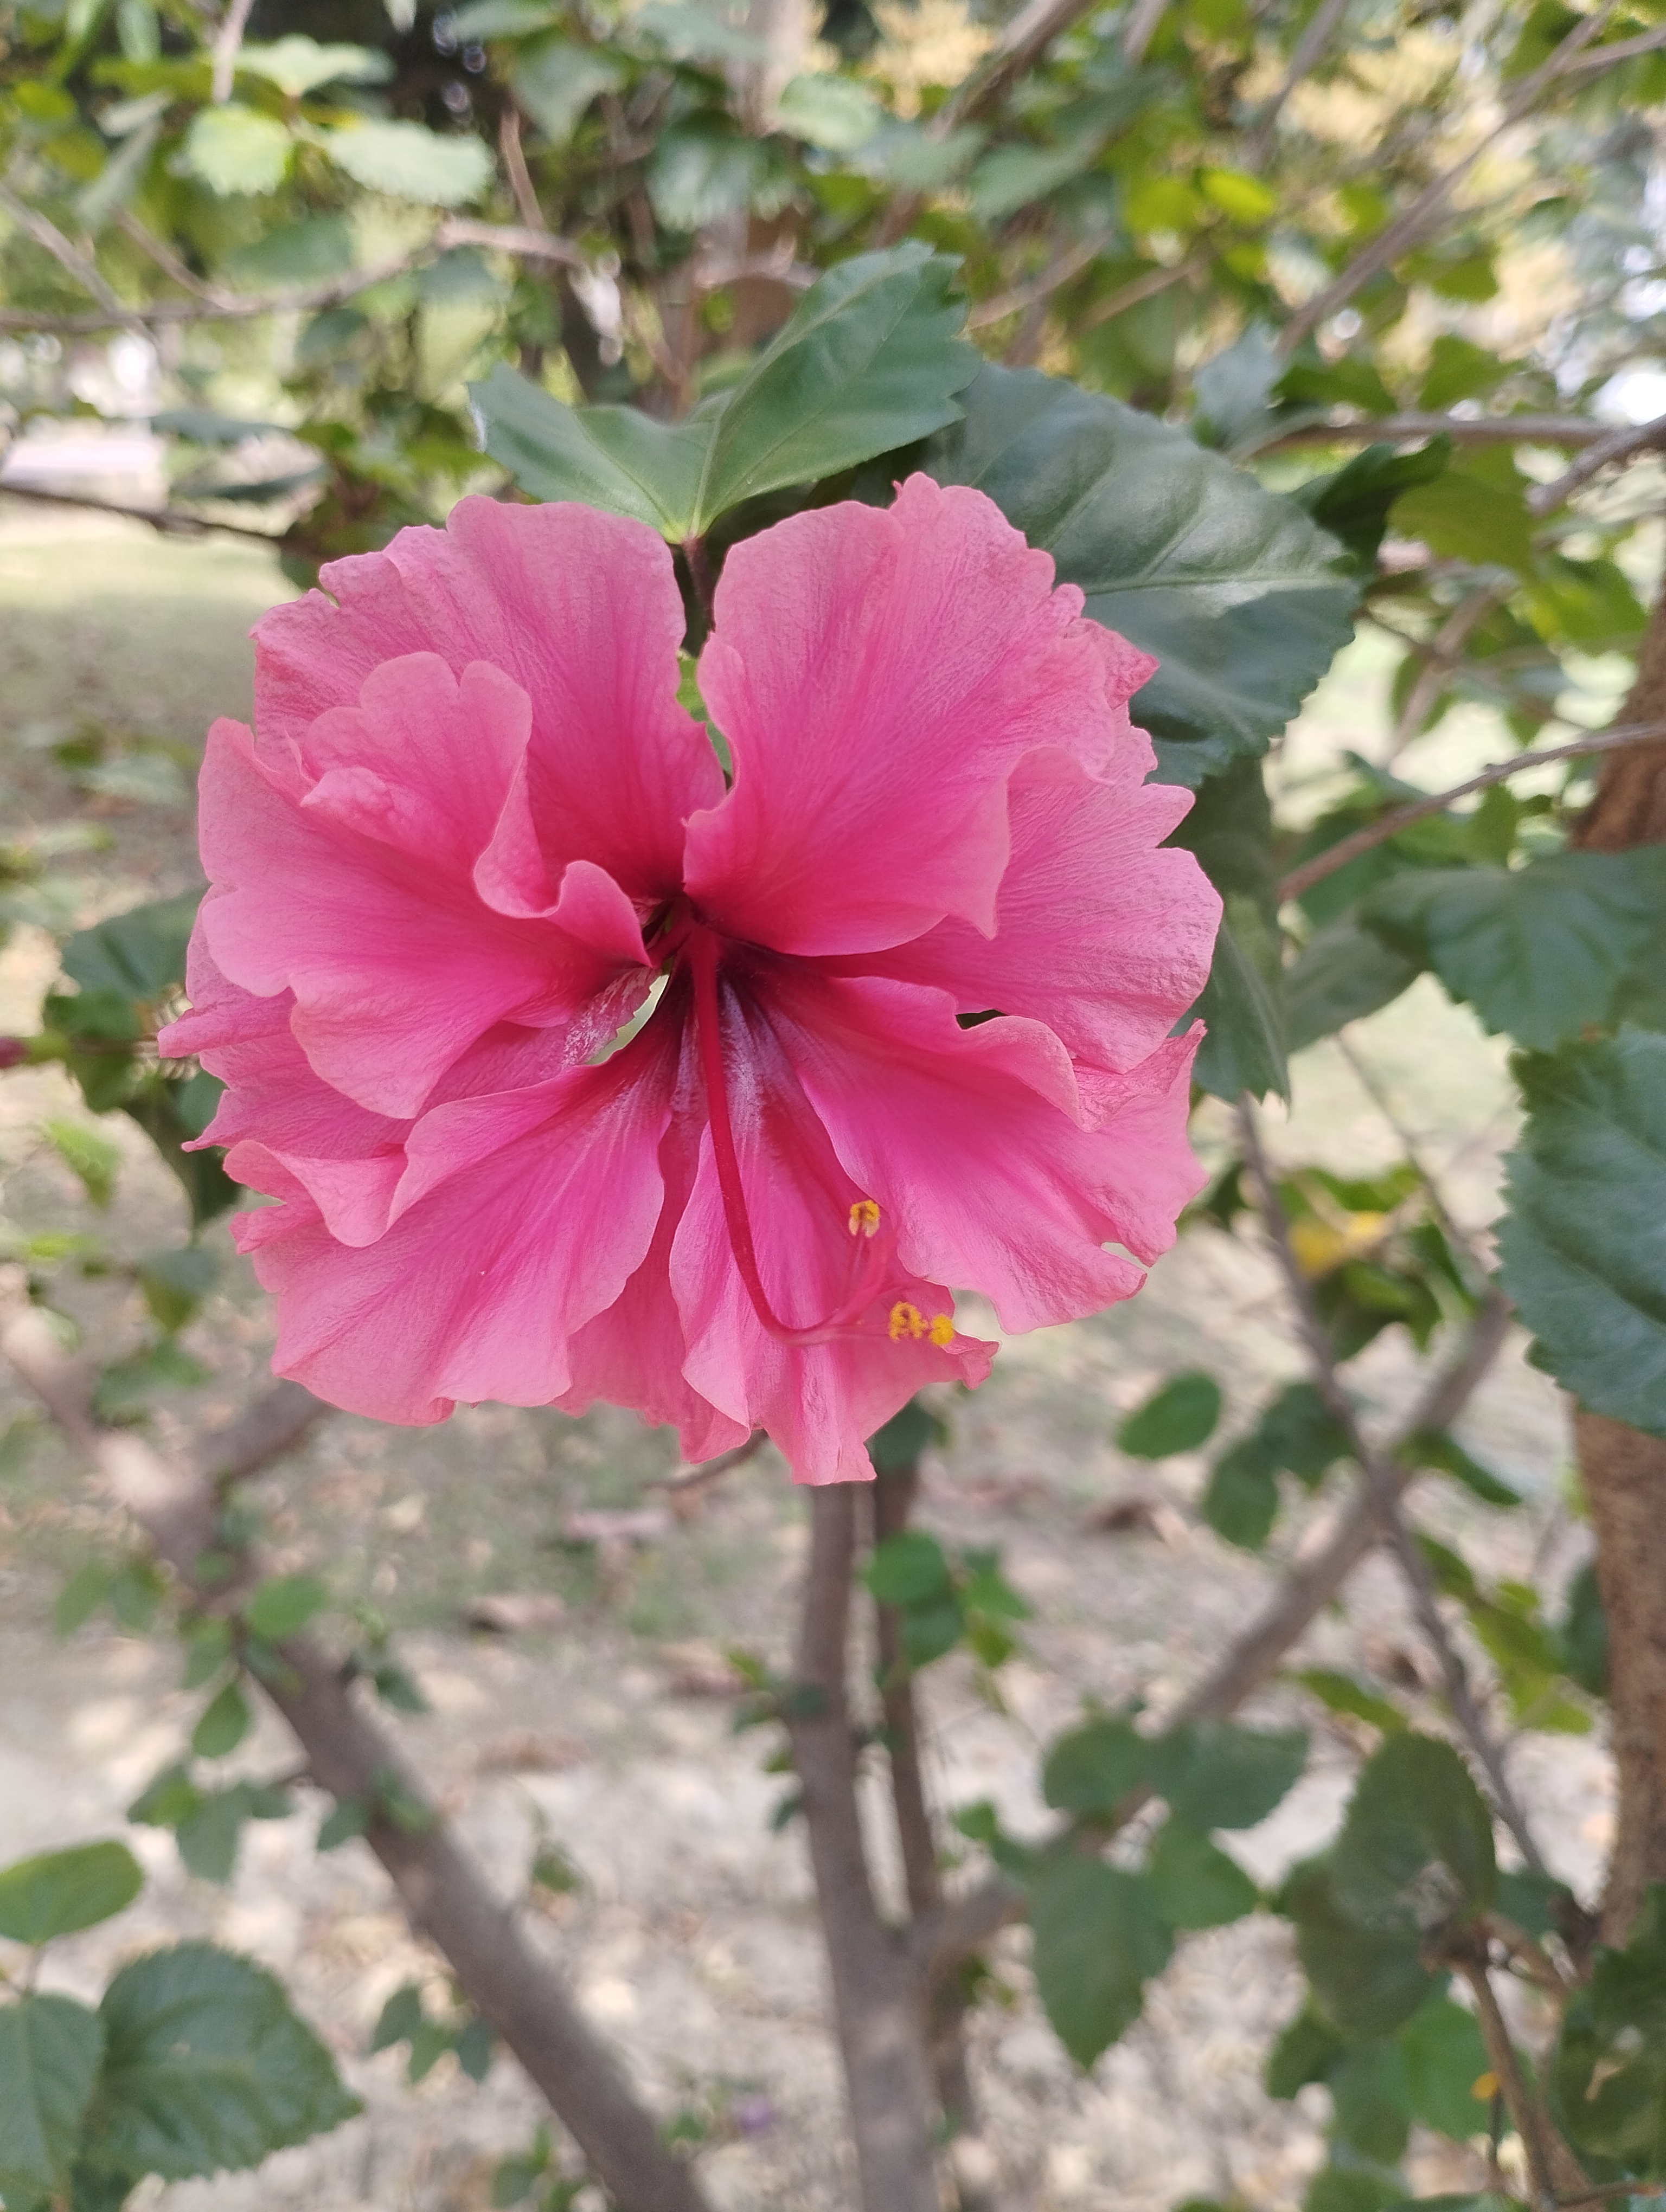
point(693, 1480)
point(1408, 229)
point(1622, 49)
point(1618, 446)
point(1380, 1478)
point(1445, 653)
point(445, 1895)
point(1462, 429)
point(875, 1998)
point(1348, 849)
point(166, 521)
point(514, 168)
point(455, 230)
point(1550, 2164)
point(1312, 43)
point(69, 258)
point(967, 1922)
point(1069, 264)
point(227, 41)
point(154, 249)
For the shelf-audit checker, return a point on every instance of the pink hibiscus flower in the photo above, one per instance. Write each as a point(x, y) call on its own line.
point(578, 1077)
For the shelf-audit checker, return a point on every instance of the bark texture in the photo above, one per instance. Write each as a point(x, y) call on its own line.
point(1624, 1472)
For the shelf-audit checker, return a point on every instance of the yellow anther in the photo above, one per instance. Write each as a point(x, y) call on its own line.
point(942, 1329)
point(906, 1320)
point(864, 1218)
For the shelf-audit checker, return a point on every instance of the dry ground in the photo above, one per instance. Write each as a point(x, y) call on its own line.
point(691, 1939)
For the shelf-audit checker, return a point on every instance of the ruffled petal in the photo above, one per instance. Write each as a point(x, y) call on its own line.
point(878, 675)
point(820, 1402)
point(396, 965)
point(508, 1247)
point(967, 1139)
point(1099, 932)
point(581, 610)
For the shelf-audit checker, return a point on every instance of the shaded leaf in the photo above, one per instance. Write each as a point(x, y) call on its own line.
point(1234, 589)
point(58, 1892)
point(1098, 1939)
point(1583, 1247)
point(1444, 2057)
point(1416, 1849)
point(1229, 828)
point(1093, 1768)
point(50, 2050)
point(1194, 1884)
point(1217, 1775)
point(1342, 974)
point(1177, 1417)
point(1369, 1981)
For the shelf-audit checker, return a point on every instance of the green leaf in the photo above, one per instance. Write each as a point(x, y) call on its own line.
point(82, 1595)
point(908, 1569)
point(1463, 516)
point(1458, 370)
point(1416, 1849)
point(1194, 1884)
point(1581, 1247)
point(235, 149)
point(554, 80)
point(1370, 2098)
point(209, 1834)
point(1433, 1448)
point(1305, 2052)
point(899, 1443)
point(59, 1892)
point(833, 113)
point(1340, 1694)
point(175, 1283)
point(50, 2052)
point(615, 457)
point(89, 1156)
point(279, 1608)
point(1342, 974)
point(1539, 952)
point(1353, 503)
point(298, 65)
point(475, 2046)
point(1609, 2072)
point(1584, 1634)
point(1369, 1981)
point(1177, 1417)
point(349, 1818)
point(870, 360)
point(138, 955)
point(1099, 1940)
point(1233, 589)
point(1093, 1768)
point(223, 1725)
point(1350, 2189)
point(1217, 1775)
point(409, 163)
point(1241, 1502)
point(399, 2018)
point(206, 2068)
point(1444, 2058)
point(125, 1388)
point(1229, 828)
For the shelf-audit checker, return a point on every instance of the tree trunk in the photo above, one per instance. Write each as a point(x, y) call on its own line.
point(1624, 1472)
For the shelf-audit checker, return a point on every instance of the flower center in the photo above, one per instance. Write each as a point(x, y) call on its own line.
point(871, 1253)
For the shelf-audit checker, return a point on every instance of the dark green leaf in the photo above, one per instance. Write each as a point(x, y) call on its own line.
point(206, 2068)
point(223, 1725)
point(208, 1836)
point(1433, 1448)
point(399, 2019)
point(1581, 1248)
point(615, 457)
point(1465, 516)
point(349, 1818)
point(1349, 2188)
point(82, 1595)
point(1098, 1939)
point(905, 1436)
point(175, 1283)
point(139, 955)
point(50, 2050)
point(1194, 1884)
point(870, 361)
point(1342, 975)
point(1444, 2058)
point(285, 1604)
point(1229, 828)
point(1353, 503)
point(1340, 1694)
point(170, 1797)
point(1093, 1768)
point(1609, 2070)
point(1371, 2096)
point(1177, 1416)
point(1241, 1503)
point(1368, 1981)
point(1416, 1849)
point(475, 2046)
point(1234, 589)
point(1539, 952)
point(59, 1892)
point(1584, 1634)
point(907, 1569)
point(1305, 2052)
point(1217, 1775)
point(125, 1389)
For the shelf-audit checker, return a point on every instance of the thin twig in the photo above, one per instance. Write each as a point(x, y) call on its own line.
point(166, 521)
point(1378, 1472)
point(875, 1997)
point(1550, 2164)
point(455, 230)
point(1071, 263)
point(227, 41)
point(1136, 289)
point(1312, 43)
point(693, 1480)
point(1408, 229)
point(514, 168)
point(966, 1922)
point(1445, 651)
point(445, 1895)
point(154, 249)
point(1462, 429)
point(1348, 848)
point(1618, 446)
point(47, 235)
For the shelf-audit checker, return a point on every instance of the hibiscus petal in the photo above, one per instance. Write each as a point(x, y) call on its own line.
point(1099, 934)
point(475, 1291)
point(878, 675)
point(582, 609)
point(396, 967)
point(965, 1138)
point(819, 1403)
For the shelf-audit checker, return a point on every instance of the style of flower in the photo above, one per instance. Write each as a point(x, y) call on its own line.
point(577, 1076)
